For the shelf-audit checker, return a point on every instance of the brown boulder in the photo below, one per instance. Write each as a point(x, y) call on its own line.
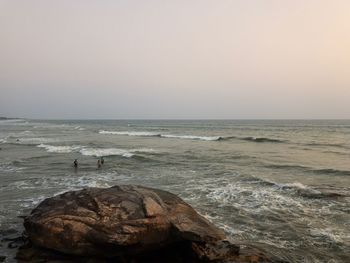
point(129, 222)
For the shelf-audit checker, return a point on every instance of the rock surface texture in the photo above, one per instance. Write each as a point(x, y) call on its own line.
point(125, 224)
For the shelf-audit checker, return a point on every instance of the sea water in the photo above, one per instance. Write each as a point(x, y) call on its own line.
point(280, 185)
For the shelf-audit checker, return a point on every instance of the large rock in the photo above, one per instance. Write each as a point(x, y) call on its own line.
point(127, 222)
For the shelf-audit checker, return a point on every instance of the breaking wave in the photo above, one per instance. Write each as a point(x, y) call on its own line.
point(99, 152)
point(308, 191)
point(59, 149)
point(298, 188)
point(190, 137)
point(8, 167)
point(134, 133)
point(33, 141)
point(171, 136)
point(261, 139)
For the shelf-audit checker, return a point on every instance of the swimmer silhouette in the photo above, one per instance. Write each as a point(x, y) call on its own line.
point(75, 163)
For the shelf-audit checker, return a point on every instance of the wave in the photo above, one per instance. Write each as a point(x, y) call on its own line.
point(192, 137)
point(329, 171)
point(338, 153)
point(99, 152)
point(333, 171)
point(79, 128)
point(297, 188)
point(295, 185)
point(262, 139)
point(31, 202)
point(34, 141)
point(309, 192)
point(287, 166)
point(7, 167)
point(154, 134)
point(49, 126)
point(26, 132)
point(14, 122)
point(11, 120)
point(339, 145)
point(133, 133)
point(241, 195)
point(226, 138)
point(60, 149)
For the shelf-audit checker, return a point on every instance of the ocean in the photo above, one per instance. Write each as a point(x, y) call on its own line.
point(280, 185)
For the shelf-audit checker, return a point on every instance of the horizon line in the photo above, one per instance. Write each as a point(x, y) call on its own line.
point(185, 119)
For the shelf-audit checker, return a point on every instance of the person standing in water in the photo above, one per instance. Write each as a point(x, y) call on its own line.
point(102, 160)
point(75, 163)
point(98, 164)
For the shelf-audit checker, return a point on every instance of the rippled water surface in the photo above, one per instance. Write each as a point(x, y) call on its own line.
point(283, 186)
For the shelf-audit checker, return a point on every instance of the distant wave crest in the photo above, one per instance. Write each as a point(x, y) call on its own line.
point(192, 137)
point(59, 149)
point(171, 136)
point(261, 139)
point(98, 152)
point(132, 133)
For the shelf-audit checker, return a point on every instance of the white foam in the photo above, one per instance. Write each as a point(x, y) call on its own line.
point(60, 149)
point(172, 136)
point(245, 196)
point(12, 121)
point(191, 137)
point(26, 132)
point(39, 140)
point(92, 179)
point(301, 188)
point(31, 202)
point(10, 168)
point(332, 235)
point(297, 185)
point(105, 152)
point(98, 152)
point(42, 125)
point(131, 133)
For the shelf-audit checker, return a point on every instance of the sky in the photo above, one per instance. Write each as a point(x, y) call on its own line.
point(198, 59)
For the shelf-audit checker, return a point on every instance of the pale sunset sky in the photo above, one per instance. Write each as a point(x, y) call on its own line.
point(200, 59)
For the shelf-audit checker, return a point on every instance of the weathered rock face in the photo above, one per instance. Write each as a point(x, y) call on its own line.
point(126, 222)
